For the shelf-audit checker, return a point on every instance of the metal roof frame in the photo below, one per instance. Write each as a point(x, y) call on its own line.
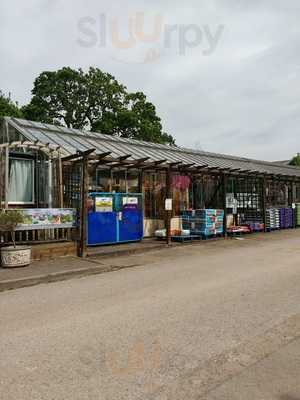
point(130, 153)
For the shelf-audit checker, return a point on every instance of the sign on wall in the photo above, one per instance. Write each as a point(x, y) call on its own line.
point(104, 204)
point(130, 200)
point(168, 204)
point(42, 218)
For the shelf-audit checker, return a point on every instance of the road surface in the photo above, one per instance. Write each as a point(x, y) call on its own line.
point(211, 321)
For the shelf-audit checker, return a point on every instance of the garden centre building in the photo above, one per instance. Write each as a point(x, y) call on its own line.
point(52, 167)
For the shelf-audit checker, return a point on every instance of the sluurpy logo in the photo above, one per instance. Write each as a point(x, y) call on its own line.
point(152, 41)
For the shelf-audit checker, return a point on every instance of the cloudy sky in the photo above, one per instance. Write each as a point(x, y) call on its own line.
point(223, 74)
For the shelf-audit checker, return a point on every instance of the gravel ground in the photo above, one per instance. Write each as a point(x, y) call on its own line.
point(179, 325)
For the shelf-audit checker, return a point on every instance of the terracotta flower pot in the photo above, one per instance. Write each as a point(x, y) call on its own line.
point(12, 257)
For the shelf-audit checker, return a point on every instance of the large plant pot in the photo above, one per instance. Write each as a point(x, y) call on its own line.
point(12, 257)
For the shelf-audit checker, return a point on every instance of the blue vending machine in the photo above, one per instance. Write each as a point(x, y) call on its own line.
point(115, 218)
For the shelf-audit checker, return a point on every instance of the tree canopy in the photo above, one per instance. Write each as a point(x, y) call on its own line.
point(94, 100)
point(8, 108)
point(296, 161)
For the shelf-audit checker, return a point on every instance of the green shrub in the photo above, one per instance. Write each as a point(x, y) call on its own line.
point(9, 219)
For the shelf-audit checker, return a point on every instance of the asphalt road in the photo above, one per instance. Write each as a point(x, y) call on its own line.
point(181, 324)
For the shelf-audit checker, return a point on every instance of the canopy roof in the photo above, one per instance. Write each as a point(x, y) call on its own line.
point(71, 141)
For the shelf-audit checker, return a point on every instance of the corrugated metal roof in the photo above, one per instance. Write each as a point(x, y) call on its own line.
point(73, 140)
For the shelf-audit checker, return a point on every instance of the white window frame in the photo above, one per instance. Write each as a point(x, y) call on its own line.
point(19, 203)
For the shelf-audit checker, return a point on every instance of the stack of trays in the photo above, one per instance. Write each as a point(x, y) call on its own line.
point(255, 226)
point(273, 218)
point(205, 222)
point(254, 220)
point(298, 214)
point(252, 216)
point(286, 218)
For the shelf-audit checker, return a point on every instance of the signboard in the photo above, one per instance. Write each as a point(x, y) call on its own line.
point(168, 205)
point(130, 200)
point(130, 203)
point(103, 204)
point(43, 218)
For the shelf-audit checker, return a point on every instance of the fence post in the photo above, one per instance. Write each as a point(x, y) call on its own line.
point(264, 201)
point(60, 182)
point(6, 184)
point(224, 192)
point(83, 207)
point(168, 213)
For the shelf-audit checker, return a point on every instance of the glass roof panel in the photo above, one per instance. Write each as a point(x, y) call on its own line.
point(24, 122)
point(58, 140)
point(103, 148)
point(73, 139)
point(40, 136)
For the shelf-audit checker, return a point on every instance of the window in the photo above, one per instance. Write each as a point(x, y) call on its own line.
point(119, 181)
point(207, 192)
point(21, 181)
point(103, 180)
point(132, 181)
point(154, 188)
point(180, 187)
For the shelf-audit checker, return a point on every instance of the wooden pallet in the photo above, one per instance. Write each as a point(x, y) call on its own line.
point(185, 238)
point(272, 229)
point(213, 236)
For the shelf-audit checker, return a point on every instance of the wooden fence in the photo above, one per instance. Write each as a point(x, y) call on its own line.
point(40, 236)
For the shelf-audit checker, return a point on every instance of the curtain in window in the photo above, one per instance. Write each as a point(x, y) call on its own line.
point(20, 181)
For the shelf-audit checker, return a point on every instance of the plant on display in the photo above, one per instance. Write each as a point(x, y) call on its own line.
point(9, 221)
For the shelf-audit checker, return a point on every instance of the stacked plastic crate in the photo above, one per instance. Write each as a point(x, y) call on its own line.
point(286, 218)
point(187, 218)
point(206, 222)
point(253, 220)
point(254, 226)
point(272, 218)
point(298, 214)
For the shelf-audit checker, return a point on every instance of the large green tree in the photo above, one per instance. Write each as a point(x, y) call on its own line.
point(8, 108)
point(296, 161)
point(94, 100)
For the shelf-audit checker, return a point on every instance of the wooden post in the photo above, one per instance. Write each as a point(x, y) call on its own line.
point(168, 213)
point(225, 181)
point(264, 203)
point(60, 182)
point(6, 173)
point(6, 183)
point(37, 178)
point(83, 207)
point(50, 182)
point(140, 183)
point(2, 178)
point(293, 190)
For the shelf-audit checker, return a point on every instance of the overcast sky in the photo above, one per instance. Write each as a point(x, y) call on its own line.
point(223, 74)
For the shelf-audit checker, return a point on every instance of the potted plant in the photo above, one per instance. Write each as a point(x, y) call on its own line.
point(13, 256)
